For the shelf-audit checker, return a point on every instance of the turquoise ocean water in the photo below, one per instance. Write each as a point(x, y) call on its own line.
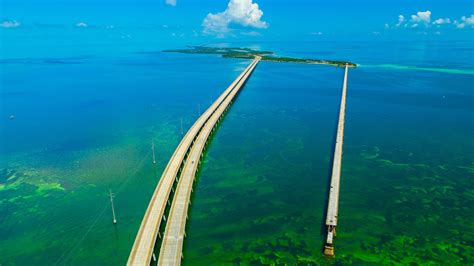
point(84, 124)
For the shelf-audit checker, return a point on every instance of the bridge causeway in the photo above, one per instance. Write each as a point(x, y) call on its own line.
point(333, 202)
point(171, 247)
point(184, 162)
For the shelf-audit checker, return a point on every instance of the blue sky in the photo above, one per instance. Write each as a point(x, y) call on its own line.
point(204, 21)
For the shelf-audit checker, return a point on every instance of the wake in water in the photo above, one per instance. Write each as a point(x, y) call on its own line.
point(430, 69)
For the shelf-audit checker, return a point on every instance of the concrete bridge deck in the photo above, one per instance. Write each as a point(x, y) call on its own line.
point(333, 202)
point(172, 245)
point(142, 250)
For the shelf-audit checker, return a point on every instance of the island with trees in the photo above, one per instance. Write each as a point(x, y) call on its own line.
point(247, 53)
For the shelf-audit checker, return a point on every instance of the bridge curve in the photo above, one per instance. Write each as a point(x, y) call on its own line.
point(142, 250)
point(171, 248)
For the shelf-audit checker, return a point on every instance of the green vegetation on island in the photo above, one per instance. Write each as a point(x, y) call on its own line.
point(247, 53)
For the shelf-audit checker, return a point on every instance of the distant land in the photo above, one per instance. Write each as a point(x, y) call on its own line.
point(248, 53)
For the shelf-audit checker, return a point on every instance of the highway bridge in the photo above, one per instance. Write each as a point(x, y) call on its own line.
point(333, 202)
point(182, 166)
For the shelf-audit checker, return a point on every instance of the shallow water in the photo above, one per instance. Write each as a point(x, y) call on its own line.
point(430, 69)
point(85, 124)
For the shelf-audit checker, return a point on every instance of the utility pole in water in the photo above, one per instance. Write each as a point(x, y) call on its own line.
point(112, 203)
point(153, 150)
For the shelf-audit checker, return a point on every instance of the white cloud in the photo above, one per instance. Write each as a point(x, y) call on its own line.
point(10, 24)
point(81, 25)
point(401, 19)
point(170, 2)
point(468, 20)
point(465, 21)
point(442, 21)
point(240, 12)
point(421, 17)
point(459, 25)
point(318, 33)
point(216, 23)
